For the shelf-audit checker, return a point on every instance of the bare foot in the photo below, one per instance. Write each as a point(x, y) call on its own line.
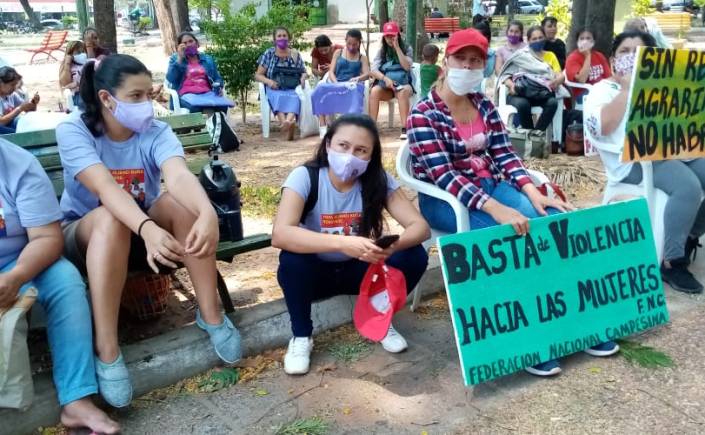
point(83, 413)
point(291, 132)
point(286, 127)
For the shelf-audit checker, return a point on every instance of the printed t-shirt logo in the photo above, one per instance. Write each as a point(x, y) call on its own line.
point(132, 182)
point(347, 224)
point(3, 225)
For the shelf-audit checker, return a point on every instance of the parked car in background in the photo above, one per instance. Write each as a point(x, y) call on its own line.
point(52, 24)
point(529, 7)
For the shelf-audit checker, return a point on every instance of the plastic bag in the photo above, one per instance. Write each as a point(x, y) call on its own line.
point(308, 122)
point(16, 387)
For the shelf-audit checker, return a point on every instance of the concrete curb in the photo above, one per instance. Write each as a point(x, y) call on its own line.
point(161, 361)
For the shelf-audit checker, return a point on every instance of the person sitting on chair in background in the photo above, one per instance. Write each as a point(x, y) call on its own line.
point(282, 70)
point(484, 28)
point(322, 55)
point(541, 76)
point(429, 69)
point(515, 41)
point(554, 44)
point(392, 70)
point(70, 68)
point(92, 44)
point(585, 64)
point(195, 76)
point(12, 105)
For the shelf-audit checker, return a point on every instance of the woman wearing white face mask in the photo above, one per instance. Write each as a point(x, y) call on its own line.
point(458, 142)
point(71, 67)
point(327, 235)
point(115, 217)
point(605, 114)
point(586, 65)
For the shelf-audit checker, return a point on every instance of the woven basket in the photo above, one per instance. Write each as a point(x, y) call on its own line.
point(145, 295)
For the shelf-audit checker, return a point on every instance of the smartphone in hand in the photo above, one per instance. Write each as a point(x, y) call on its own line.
point(385, 242)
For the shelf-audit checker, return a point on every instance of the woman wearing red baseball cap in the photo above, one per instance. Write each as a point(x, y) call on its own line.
point(458, 142)
point(391, 68)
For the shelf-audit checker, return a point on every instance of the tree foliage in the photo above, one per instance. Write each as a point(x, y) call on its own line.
point(241, 38)
point(560, 10)
point(641, 8)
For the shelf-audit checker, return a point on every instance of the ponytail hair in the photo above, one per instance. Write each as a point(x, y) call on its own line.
point(108, 74)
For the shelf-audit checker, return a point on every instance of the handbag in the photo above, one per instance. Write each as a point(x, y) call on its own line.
point(527, 145)
point(288, 77)
point(16, 387)
point(526, 87)
point(396, 73)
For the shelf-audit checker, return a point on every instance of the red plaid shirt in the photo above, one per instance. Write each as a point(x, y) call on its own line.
point(439, 155)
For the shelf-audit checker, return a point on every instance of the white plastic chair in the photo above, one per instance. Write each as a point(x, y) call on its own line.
point(506, 111)
point(415, 97)
point(174, 99)
point(576, 85)
point(266, 111)
point(462, 216)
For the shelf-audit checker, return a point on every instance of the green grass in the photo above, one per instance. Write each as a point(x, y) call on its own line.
point(349, 351)
point(219, 379)
point(260, 201)
point(645, 356)
point(308, 426)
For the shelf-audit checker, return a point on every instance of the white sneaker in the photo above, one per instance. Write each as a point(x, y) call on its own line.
point(322, 131)
point(298, 355)
point(394, 342)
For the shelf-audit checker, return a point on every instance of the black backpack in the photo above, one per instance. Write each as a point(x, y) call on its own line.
point(223, 135)
point(312, 198)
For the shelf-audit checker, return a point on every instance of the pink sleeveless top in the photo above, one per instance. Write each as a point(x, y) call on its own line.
point(474, 134)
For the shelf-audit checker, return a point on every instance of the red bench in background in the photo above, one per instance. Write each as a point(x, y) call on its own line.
point(441, 25)
point(53, 41)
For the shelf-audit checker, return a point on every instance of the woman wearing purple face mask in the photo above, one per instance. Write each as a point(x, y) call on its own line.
point(327, 247)
point(116, 219)
point(191, 72)
point(515, 41)
point(586, 65)
point(282, 70)
point(605, 114)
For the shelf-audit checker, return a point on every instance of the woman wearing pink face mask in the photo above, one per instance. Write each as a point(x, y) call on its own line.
point(515, 41)
point(116, 219)
point(192, 72)
point(327, 236)
point(586, 65)
point(282, 70)
point(605, 114)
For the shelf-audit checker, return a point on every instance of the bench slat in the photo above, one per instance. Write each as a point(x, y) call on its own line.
point(228, 250)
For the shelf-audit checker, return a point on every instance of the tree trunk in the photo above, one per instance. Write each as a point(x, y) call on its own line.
point(501, 9)
point(399, 14)
point(421, 36)
point(577, 22)
point(30, 14)
point(179, 10)
point(383, 13)
point(104, 18)
point(600, 19)
point(165, 18)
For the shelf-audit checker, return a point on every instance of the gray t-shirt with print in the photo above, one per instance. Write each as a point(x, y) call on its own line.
point(335, 212)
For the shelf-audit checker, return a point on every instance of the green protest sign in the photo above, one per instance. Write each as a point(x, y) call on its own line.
point(576, 280)
point(666, 110)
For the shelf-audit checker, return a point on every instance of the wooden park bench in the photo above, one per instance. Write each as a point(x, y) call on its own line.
point(674, 23)
point(441, 25)
point(53, 41)
point(191, 131)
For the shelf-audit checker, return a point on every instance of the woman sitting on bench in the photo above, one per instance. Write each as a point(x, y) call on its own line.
point(30, 256)
point(115, 218)
point(459, 143)
point(12, 105)
point(682, 180)
point(328, 245)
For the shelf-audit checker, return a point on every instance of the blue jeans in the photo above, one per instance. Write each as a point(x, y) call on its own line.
point(305, 278)
point(440, 215)
point(10, 127)
point(62, 294)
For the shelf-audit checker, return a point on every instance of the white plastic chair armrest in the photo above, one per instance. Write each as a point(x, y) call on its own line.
point(538, 177)
point(68, 99)
point(174, 97)
point(578, 85)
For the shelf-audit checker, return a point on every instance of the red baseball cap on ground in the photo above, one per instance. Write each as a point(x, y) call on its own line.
point(467, 38)
point(390, 28)
point(382, 293)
